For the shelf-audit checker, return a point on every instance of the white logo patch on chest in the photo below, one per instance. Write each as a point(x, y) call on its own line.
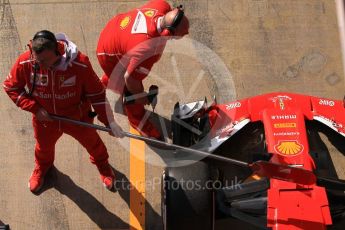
point(140, 25)
point(68, 82)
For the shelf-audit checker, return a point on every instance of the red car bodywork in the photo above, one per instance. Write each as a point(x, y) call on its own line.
point(290, 205)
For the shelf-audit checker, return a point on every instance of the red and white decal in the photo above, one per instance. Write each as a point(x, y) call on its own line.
point(233, 105)
point(326, 102)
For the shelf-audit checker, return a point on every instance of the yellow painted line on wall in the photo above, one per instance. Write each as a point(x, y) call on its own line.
point(137, 179)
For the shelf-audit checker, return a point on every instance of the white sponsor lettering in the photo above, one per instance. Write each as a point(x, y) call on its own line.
point(284, 117)
point(326, 102)
point(43, 95)
point(226, 130)
point(286, 134)
point(334, 123)
point(280, 97)
point(233, 105)
point(57, 96)
point(65, 96)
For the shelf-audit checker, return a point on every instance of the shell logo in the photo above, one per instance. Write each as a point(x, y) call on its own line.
point(289, 148)
point(124, 23)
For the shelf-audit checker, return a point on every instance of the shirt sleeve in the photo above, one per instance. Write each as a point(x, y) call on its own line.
point(95, 92)
point(14, 86)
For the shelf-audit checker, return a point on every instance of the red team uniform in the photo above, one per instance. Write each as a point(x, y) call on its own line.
point(132, 42)
point(69, 90)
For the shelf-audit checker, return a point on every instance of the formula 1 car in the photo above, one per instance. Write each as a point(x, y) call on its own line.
point(281, 128)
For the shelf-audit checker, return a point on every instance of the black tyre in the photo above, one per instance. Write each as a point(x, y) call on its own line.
point(186, 202)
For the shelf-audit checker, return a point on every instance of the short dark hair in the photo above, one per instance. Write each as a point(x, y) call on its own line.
point(41, 44)
point(44, 40)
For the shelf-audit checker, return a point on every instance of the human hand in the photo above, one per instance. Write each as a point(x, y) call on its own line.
point(43, 115)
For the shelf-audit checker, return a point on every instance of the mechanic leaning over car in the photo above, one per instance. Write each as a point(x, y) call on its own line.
point(128, 47)
point(60, 81)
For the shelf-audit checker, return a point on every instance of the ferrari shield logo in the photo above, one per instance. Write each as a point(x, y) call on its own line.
point(150, 13)
point(124, 22)
point(71, 81)
point(289, 148)
point(281, 104)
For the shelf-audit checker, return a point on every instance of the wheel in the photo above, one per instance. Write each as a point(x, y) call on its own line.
point(186, 203)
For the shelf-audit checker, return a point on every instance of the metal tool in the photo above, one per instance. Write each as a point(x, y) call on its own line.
point(130, 98)
point(261, 168)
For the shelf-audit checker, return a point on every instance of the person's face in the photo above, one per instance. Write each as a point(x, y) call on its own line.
point(46, 59)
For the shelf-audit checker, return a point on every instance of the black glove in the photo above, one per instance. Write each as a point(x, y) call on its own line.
point(152, 95)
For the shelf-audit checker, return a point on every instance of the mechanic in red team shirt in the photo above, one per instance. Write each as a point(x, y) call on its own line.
point(129, 46)
point(60, 81)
